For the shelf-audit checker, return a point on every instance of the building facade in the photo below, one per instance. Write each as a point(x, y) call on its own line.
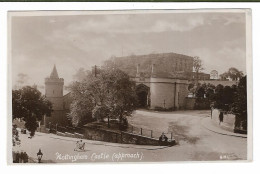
point(162, 86)
point(214, 74)
point(60, 103)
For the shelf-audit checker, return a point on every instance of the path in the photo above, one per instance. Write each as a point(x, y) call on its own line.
point(195, 142)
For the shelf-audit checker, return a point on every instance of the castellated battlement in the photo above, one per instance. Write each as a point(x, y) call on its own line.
point(54, 81)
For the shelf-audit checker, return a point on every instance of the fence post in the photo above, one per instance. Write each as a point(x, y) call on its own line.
point(171, 135)
point(132, 129)
point(151, 133)
point(141, 131)
point(56, 128)
point(121, 138)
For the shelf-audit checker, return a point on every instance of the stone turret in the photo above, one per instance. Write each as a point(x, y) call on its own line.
point(54, 89)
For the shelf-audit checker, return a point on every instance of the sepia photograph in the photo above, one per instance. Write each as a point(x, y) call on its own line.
point(129, 86)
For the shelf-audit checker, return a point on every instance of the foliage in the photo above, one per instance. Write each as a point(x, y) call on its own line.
point(239, 106)
point(232, 73)
point(80, 111)
point(224, 97)
point(200, 91)
point(197, 67)
point(100, 112)
point(29, 104)
point(221, 97)
point(109, 94)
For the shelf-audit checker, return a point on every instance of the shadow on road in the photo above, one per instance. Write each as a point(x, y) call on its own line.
point(181, 133)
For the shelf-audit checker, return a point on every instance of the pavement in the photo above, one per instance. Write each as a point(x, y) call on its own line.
point(59, 149)
point(207, 123)
point(195, 142)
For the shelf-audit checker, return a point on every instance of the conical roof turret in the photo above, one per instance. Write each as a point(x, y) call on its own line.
point(54, 73)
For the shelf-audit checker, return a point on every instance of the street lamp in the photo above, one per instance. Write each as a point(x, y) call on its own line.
point(39, 155)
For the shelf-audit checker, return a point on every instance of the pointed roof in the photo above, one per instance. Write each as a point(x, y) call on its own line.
point(54, 73)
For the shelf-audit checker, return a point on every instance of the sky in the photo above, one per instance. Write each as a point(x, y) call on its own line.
point(81, 41)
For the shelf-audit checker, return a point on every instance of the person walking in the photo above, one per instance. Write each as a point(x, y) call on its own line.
point(39, 156)
point(221, 117)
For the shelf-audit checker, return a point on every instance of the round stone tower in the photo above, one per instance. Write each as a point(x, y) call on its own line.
point(54, 90)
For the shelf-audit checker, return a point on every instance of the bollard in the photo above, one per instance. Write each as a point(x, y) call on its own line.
point(151, 133)
point(171, 135)
point(56, 127)
point(141, 131)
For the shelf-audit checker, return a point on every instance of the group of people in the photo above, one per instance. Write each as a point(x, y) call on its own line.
point(15, 134)
point(163, 139)
point(20, 157)
point(80, 145)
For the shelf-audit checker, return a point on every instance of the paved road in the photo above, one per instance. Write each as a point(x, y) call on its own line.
point(194, 143)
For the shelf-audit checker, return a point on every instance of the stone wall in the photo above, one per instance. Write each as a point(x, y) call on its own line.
point(162, 95)
point(190, 103)
point(168, 93)
point(217, 82)
point(57, 103)
point(123, 137)
point(57, 117)
point(67, 100)
point(183, 92)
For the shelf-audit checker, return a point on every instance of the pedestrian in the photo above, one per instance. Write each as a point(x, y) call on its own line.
point(77, 146)
point(39, 155)
point(81, 145)
point(15, 157)
point(221, 117)
point(22, 157)
point(163, 139)
point(26, 157)
point(18, 157)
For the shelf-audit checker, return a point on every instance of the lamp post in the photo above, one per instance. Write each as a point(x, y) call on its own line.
point(39, 155)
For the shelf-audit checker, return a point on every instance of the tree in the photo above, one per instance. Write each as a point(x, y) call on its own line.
point(197, 67)
point(31, 106)
point(200, 91)
point(120, 96)
point(233, 74)
point(109, 94)
point(239, 107)
point(217, 98)
point(223, 97)
point(82, 104)
point(210, 90)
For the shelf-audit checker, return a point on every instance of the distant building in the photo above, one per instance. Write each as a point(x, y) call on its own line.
point(161, 79)
point(214, 75)
point(161, 83)
point(201, 76)
point(172, 65)
point(219, 82)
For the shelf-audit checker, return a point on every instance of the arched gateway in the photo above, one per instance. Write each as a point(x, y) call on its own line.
point(143, 94)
